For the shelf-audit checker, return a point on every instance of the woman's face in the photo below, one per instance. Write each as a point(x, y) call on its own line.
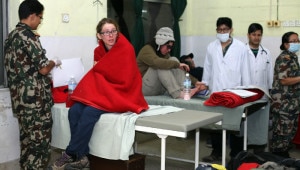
point(108, 35)
point(166, 48)
point(292, 39)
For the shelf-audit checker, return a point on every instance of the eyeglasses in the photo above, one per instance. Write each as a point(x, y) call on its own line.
point(108, 33)
point(225, 30)
point(294, 41)
point(41, 17)
point(169, 47)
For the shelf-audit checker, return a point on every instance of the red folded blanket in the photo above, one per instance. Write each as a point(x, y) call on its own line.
point(231, 100)
point(296, 139)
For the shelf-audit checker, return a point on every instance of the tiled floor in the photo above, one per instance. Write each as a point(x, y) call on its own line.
point(176, 147)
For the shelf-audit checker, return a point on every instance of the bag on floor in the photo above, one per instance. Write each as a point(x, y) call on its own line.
point(291, 163)
point(244, 157)
point(210, 167)
point(268, 156)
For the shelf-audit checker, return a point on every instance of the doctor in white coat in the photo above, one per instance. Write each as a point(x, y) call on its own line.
point(225, 66)
point(261, 65)
point(261, 71)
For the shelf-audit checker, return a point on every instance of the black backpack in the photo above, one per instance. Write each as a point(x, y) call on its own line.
point(249, 157)
point(291, 163)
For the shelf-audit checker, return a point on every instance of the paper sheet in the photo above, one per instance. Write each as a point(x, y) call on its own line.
point(242, 93)
point(69, 67)
point(253, 87)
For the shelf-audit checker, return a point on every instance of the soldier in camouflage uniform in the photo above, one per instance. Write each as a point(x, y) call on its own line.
point(27, 71)
point(286, 95)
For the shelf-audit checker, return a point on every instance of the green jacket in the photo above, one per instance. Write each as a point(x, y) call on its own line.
point(147, 57)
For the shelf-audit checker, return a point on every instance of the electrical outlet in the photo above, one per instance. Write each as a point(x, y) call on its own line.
point(277, 23)
point(292, 23)
point(297, 23)
point(285, 23)
point(65, 18)
point(270, 23)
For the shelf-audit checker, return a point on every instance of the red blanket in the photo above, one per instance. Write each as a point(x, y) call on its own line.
point(231, 100)
point(296, 139)
point(114, 84)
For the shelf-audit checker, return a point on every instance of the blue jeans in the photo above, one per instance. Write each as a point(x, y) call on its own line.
point(82, 119)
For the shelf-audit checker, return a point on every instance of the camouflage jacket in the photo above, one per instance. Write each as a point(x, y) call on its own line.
point(286, 65)
point(24, 57)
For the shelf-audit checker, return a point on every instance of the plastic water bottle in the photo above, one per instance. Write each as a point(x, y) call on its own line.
point(187, 87)
point(71, 85)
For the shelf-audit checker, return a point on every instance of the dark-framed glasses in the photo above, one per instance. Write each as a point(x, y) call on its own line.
point(294, 41)
point(225, 30)
point(108, 33)
point(169, 47)
point(41, 17)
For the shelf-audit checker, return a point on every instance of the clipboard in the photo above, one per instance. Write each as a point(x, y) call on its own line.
point(69, 67)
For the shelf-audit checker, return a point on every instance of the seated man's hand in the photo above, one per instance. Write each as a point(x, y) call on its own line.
point(184, 67)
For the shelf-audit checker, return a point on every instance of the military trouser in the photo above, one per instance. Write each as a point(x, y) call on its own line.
point(35, 137)
point(285, 123)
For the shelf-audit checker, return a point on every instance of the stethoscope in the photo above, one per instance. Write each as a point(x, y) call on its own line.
point(263, 50)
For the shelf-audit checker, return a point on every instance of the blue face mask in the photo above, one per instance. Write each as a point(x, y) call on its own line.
point(294, 47)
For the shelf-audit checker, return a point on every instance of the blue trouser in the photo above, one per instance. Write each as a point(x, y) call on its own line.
point(82, 119)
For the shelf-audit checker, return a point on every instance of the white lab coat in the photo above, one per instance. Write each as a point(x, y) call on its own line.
point(222, 72)
point(261, 71)
point(261, 68)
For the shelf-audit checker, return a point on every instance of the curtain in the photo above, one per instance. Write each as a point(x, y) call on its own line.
point(153, 9)
point(118, 5)
point(178, 7)
point(138, 38)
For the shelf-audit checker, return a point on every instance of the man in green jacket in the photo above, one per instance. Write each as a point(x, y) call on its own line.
point(161, 72)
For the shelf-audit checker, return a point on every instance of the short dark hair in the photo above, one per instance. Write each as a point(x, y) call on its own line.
point(28, 7)
point(224, 20)
point(254, 27)
point(285, 39)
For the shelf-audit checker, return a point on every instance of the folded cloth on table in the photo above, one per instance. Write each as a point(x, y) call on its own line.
point(231, 100)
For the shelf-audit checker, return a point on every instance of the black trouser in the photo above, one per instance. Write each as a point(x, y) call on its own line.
point(236, 144)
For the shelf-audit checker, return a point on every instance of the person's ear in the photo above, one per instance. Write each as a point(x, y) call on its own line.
point(98, 36)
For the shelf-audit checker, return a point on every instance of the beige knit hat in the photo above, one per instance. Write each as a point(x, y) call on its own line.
point(164, 35)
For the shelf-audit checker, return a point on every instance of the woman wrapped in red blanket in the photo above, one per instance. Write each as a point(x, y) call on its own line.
point(231, 100)
point(114, 84)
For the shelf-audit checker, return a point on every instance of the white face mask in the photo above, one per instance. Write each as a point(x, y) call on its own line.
point(223, 37)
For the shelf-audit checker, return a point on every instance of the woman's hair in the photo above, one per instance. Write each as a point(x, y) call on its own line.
point(285, 39)
point(106, 21)
point(29, 7)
